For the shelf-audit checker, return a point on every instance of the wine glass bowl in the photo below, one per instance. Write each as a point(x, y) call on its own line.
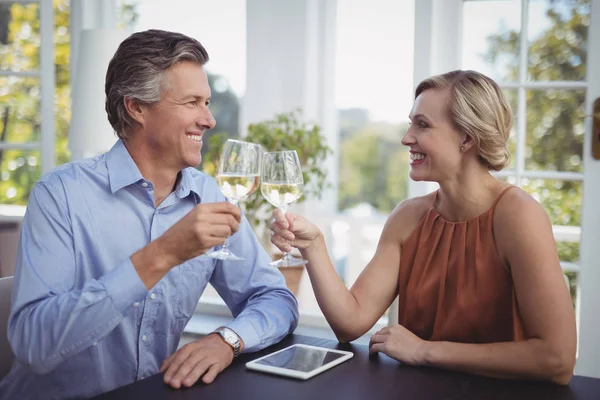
point(238, 176)
point(281, 185)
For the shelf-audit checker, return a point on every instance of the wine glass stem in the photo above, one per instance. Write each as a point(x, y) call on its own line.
point(235, 203)
point(286, 255)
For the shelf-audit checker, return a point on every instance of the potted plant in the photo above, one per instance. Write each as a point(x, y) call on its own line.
point(285, 131)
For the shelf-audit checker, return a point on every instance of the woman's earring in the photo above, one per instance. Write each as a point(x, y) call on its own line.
point(462, 148)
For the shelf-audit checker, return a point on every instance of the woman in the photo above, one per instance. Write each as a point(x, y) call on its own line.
point(474, 264)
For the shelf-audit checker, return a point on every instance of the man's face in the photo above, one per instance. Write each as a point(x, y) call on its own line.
point(172, 129)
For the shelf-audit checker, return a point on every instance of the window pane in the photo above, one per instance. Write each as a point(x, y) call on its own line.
point(573, 278)
point(373, 110)
point(511, 95)
point(555, 130)
point(561, 199)
point(490, 42)
point(373, 167)
point(19, 109)
point(557, 35)
point(569, 252)
point(19, 170)
point(19, 37)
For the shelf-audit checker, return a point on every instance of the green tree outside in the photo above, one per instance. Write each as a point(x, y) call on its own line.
point(20, 97)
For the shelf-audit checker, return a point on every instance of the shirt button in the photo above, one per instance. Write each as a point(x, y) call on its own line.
point(144, 338)
point(136, 304)
point(144, 184)
point(152, 296)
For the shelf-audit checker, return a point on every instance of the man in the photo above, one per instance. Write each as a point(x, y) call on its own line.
point(109, 268)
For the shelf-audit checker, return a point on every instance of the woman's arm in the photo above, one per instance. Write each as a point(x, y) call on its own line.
point(524, 239)
point(350, 313)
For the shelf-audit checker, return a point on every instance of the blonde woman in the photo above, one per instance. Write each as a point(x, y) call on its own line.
point(474, 264)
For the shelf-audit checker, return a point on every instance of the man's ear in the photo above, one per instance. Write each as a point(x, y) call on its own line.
point(467, 143)
point(135, 110)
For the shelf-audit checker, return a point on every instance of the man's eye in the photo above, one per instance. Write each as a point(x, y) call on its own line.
point(193, 102)
point(422, 124)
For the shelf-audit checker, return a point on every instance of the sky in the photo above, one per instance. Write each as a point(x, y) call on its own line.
point(374, 43)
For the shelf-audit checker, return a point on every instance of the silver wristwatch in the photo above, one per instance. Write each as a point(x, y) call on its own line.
point(231, 338)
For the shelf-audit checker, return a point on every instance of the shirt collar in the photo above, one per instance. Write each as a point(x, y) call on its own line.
point(187, 184)
point(122, 170)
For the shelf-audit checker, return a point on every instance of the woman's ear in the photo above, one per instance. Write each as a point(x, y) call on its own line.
point(134, 109)
point(467, 143)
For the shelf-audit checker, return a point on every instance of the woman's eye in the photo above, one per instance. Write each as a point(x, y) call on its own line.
point(422, 124)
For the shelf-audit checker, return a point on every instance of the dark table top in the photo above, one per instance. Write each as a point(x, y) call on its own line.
point(364, 376)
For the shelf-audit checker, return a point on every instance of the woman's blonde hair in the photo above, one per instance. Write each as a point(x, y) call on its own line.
point(478, 108)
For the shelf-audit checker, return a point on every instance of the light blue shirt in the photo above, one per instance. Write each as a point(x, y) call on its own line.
point(82, 321)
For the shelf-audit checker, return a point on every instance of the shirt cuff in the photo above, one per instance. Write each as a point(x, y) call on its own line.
point(246, 332)
point(124, 286)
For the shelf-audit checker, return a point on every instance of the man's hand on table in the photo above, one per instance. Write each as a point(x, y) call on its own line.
point(205, 358)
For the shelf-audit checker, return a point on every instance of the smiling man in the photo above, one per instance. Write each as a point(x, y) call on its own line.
point(109, 269)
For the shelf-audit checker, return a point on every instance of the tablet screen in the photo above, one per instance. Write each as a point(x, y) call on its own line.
point(303, 359)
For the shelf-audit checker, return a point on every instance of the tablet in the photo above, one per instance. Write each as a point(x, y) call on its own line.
point(299, 361)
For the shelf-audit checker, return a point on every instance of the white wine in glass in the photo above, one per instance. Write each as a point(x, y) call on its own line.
point(237, 187)
point(282, 184)
point(238, 175)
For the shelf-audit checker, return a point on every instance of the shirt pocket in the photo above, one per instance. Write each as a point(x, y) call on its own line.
point(191, 280)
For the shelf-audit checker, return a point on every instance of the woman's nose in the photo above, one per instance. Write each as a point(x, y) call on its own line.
point(407, 139)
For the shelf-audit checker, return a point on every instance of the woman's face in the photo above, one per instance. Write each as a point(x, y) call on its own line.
point(435, 145)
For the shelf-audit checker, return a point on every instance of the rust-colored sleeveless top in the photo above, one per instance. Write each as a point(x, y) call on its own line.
point(453, 285)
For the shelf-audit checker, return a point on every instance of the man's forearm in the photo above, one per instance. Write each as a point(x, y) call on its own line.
point(46, 332)
point(152, 263)
point(266, 320)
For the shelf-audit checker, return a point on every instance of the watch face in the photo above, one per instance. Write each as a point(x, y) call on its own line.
point(229, 336)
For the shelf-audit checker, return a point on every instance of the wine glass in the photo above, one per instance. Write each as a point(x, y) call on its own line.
point(282, 185)
point(238, 175)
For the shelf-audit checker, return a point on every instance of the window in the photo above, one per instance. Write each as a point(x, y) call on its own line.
point(27, 90)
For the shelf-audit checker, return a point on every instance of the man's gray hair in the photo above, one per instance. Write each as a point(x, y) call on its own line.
point(138, 71)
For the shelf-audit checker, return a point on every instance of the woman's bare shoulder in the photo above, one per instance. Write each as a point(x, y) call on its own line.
point(514, 205)
point(407, 215)
point(518, 214)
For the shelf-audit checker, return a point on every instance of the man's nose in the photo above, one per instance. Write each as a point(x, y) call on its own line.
point(207, 121)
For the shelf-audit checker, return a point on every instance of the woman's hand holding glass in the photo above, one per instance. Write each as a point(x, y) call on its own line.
point(238, 175)
point(291, 230)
